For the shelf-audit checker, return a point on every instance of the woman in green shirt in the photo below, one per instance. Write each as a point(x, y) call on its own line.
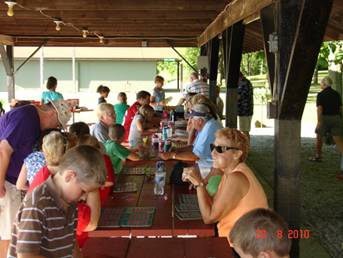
point(121, 107)
point(51, 94)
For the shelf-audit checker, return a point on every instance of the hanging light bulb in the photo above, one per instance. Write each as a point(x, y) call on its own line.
point(58, 23)
point(11, 5)
point(101, 39)
point(84, 32)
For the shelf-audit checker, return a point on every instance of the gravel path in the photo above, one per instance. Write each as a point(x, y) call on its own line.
point(321, 193)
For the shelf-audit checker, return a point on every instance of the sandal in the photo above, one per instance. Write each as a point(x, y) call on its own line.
point(315, 159)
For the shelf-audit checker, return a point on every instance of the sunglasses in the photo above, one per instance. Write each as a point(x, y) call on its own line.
point(221, 149)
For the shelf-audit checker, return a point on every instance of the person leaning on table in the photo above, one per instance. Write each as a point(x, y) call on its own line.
point(20, 129)
point(206, 126)
point(239, 190)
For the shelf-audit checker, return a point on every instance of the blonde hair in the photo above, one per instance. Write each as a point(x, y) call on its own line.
point(146, 111)
point(104, 109)
point(237, 139)
point(261, 230)
point(54, 146)
point(87, 163)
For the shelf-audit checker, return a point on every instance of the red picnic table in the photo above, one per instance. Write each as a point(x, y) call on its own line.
point(203, 247)
point(165, 223)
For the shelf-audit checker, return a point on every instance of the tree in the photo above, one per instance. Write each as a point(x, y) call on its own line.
point(168, 68)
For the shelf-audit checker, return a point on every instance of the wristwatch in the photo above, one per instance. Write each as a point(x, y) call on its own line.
point(201, 184)
point(174, 156)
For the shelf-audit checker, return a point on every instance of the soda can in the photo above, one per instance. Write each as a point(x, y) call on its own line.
point(161, 146)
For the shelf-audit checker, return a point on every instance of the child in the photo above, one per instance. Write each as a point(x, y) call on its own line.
point(143, 98)
point(103, 91)
point(110, 179)
point(90, 208)
point(139, 124)
point(260, 233)
point(116, 151)
point(107, 117)
point(46, 221)
point(51, 94)
point(121, 107)
point(79, 128)
point(158, 96)
point(53, 147)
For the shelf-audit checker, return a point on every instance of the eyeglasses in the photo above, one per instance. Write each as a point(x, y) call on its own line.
point(221, 149)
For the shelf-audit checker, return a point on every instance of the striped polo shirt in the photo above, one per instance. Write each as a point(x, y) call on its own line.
point(43, 226)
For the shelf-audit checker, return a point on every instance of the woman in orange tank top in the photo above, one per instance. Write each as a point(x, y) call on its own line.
point(239, 190)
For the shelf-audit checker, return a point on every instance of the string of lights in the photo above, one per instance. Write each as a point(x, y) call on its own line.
point(57, 20)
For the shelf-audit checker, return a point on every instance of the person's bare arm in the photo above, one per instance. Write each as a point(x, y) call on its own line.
point(5, 156)
point(140, 125)
point(231, 193)
point(185, 156)
point(22, 179)
point(133, 156)
point(93, 201)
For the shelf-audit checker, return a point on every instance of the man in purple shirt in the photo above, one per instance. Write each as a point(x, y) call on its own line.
point(20, 129)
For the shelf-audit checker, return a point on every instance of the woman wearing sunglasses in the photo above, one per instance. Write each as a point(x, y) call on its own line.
point(239, 190)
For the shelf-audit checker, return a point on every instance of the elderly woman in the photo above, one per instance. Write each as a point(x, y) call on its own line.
point(239, 190)
point(200, 151)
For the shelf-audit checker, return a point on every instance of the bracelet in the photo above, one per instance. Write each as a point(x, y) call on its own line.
point(174, 156)
point(201, 184)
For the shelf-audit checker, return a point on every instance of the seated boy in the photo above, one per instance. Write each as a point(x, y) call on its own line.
point(46, 221)
point(116, 151)
point(107, 117)
point(260, 233)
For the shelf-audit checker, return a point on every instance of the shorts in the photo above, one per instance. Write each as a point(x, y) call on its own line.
point(9, 205)
point(245, 123)
point(330, 125)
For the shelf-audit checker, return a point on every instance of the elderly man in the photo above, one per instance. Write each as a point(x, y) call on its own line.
point(200, 152)
point(329, 120)
point(197, 86)
point(20, 129)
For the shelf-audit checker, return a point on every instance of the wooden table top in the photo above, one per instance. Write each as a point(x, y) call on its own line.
point(203, 247)
point(165, 223)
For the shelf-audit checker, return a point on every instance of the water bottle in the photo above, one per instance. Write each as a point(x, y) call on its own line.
point(172, 116)
point(160, 178)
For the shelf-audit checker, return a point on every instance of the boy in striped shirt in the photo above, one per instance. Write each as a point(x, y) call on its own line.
point(46, 221)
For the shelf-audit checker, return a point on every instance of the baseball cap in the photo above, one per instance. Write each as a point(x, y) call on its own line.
point(63, 111)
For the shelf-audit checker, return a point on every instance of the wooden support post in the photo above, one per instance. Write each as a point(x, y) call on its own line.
point(234, 48)
point(301, 27)
point(213, 51)
point(287, 169)
point(10, 77)
point(268, 27)
point(7, 59)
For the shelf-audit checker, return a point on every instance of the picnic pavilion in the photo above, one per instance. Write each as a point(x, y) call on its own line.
point(289, 31)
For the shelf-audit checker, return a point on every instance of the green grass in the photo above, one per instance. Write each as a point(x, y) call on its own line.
point(261, 87)
point(321, 194)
